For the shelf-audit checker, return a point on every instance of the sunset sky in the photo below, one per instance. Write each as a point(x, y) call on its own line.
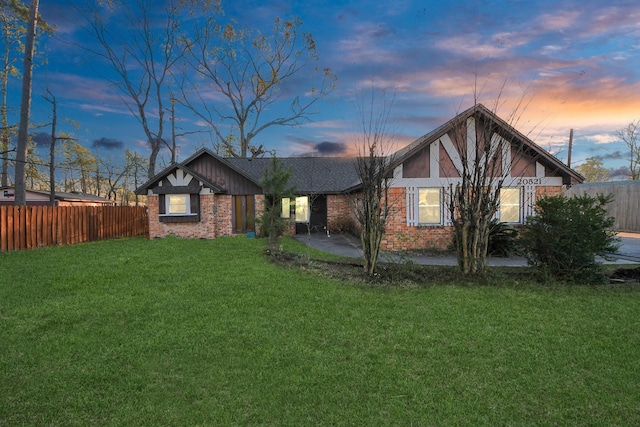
point(571, 64)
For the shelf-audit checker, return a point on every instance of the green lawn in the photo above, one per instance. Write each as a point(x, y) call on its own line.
point(193, 332)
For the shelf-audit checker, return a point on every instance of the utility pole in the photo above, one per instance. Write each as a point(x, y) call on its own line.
point(570, 147)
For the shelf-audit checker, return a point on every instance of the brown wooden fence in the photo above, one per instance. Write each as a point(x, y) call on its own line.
point(26, 227)
point(625, 208)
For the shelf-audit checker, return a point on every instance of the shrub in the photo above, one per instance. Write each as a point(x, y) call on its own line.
point(502, 239)
point(276, 187)
point(346, 225)
point(566, 234)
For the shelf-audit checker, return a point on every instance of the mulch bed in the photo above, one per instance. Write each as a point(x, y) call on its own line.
point(625, 275)
point(412, 274)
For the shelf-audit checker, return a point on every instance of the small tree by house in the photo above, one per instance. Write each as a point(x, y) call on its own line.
point(484, 166)
point(374, 170)
point(276, 188)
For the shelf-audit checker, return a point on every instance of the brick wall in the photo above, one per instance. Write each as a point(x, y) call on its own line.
point(340, 213)
point(400, 237)
point(548, 191)
point(154, 224)
point(222, 217)
point(216, 218)
point(206, 228)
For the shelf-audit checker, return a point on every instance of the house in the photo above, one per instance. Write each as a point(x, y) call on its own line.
point(41, 198)
point(207, 196)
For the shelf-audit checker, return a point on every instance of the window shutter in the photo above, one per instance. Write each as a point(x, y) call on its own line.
point(195, 203)
point(446, 213)
point(412, 195)
point(162, 205)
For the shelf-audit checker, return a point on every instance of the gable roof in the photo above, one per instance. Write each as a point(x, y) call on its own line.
point(479, 110)
point(324, 175)
point(332, 175)
point(182, 165)
point(309, 174)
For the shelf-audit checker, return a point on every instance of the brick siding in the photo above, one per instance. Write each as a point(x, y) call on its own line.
point(216, 218)
point(401, 237)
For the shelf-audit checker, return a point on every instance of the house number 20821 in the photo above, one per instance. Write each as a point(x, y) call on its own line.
point(530, 181)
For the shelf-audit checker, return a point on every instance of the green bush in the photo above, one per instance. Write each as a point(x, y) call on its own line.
point(566, 235)
point(502, 239)
point(276, 187)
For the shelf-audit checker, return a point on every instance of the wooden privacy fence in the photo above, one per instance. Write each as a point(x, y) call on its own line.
point(625, 207)
point(26, 227)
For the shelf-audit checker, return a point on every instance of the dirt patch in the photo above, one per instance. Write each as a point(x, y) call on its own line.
point(625, 275)
point(403, 275)
point(414, 275)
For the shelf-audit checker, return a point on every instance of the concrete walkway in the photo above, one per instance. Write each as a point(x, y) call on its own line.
point(348, 246)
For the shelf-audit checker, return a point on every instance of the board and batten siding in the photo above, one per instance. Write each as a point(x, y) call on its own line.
point(625, 207)
point(224, 176)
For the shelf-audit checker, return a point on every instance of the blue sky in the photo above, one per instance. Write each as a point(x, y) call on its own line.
point(575, 63)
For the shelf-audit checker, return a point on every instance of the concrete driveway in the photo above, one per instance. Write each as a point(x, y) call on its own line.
point(348, 246)
point(629, 247)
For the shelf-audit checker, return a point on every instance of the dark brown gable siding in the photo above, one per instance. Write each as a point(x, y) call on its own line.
point(522, 164)
point(418, 165)
point(224, 176)
point(447, 168)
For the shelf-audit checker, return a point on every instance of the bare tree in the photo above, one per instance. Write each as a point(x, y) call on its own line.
point(25, 107)
point(113, 174)
point(77, 158)
point(250, 71)
point(136, 167)
point(143, 55)
point(13, 17)
point(484, 165)
point(630, 135)
point(52, 148)
point(373, 205)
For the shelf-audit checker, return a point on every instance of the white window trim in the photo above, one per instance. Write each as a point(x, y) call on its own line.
point(167, 206)
point(417, 207)
point(520, 206)
point(413, 207)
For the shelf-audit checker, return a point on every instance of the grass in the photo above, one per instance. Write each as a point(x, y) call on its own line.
point(195, 332)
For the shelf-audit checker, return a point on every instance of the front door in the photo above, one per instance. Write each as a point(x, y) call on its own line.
point(243, 214)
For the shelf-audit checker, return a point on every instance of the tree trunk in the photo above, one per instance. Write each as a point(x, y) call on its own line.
point(25, 108)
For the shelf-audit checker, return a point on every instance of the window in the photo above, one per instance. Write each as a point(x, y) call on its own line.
point(177, 204)
point(510, 202)
point(429, 206)
point(286, 208)
point(179, 207)
point(302, 209)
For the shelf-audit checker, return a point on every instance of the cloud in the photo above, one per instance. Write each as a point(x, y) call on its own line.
point(73, 86)
point(42, 139)
point(620, 173)
point(108, 144)
point(302, 147)
point(327, 148)
point(560, 21)
point(616, 155)
point(602, 138)
point(324, 149)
